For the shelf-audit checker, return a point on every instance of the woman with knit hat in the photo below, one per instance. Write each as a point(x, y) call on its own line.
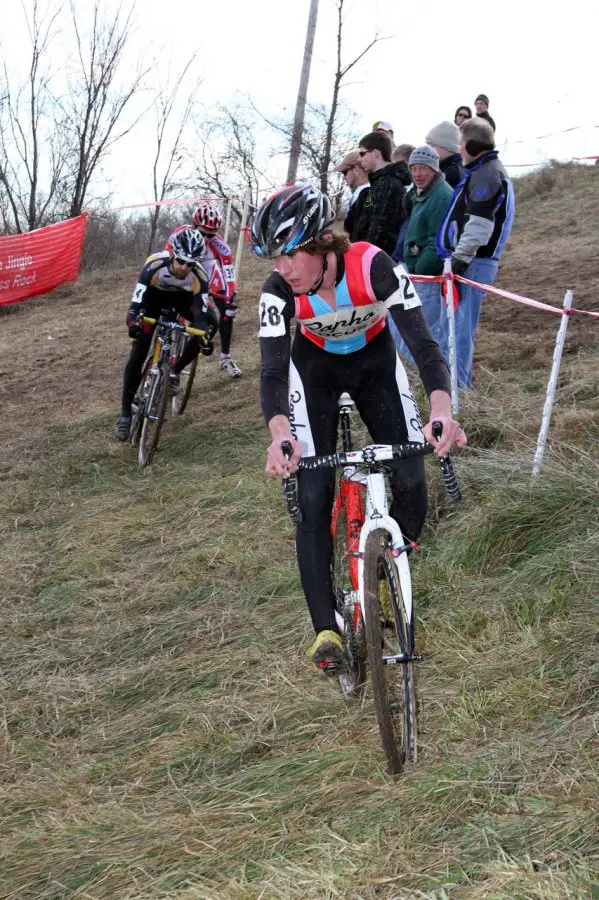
point(445, 138)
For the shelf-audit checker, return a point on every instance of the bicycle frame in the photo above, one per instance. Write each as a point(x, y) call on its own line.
point(364, 497)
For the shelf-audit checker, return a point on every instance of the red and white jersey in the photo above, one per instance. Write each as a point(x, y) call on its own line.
point(217, 262)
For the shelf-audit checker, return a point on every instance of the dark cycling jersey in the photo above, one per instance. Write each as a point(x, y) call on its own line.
point(368, 286)
point(157, 282)
point(217, 263)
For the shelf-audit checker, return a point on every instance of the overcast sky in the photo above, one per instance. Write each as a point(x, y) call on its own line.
point(537, 66)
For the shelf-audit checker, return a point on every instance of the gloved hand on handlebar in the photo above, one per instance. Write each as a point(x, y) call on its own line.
point(135, 322)
point(206, 345)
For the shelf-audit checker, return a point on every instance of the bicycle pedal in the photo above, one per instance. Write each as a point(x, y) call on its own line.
point(329, 666)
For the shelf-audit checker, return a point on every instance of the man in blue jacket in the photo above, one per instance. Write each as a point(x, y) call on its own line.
point(475, 230)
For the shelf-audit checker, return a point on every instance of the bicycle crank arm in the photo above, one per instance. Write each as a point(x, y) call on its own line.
point(399, 658)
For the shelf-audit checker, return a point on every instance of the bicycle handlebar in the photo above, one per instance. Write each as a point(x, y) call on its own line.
point(368, 456)
point(176, 326)
point(290, 488)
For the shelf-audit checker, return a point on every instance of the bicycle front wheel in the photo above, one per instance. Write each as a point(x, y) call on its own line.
point(154, 412)
point(389, 639)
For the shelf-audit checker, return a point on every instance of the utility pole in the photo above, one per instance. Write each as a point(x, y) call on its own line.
point(300, 108)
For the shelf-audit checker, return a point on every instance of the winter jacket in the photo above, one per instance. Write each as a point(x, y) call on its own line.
point(383, 213)
point(420, 251)
point(403, 170)
point(453, 169)
point(355, 210)
point(488, 118)
point(479, 219)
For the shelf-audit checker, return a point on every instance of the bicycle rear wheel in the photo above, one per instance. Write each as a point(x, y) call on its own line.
point(154, 412)
point(186, 378)
point(352, 674)
point(393, 682)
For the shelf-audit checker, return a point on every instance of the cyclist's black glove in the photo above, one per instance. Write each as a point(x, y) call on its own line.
point(206, 346)
point(135, 322)
point(458, 266)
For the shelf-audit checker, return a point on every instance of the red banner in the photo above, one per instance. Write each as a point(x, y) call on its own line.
point(38, 261)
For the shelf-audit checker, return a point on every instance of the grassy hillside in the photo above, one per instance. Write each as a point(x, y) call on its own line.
point(162, 733)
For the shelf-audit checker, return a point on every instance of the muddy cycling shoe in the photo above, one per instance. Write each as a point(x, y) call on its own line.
point(231, 368)
point(174, 382)
point(122, 428)
point(326, 652)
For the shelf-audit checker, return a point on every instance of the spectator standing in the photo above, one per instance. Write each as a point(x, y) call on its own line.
point(432, 197)
point(474, 232)
point(357, 181)
point(445, 138)
point(481, 105)
point(384, 212)
point(402, 154)
point(461, 114)
point(385, 128)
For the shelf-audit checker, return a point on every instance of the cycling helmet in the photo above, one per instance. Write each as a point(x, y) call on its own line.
point(208, 218)
point(291, 218)
point(188, 245)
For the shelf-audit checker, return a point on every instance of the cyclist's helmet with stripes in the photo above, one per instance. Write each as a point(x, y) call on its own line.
point(188, 245)
point(291, 218)
point(207, 218)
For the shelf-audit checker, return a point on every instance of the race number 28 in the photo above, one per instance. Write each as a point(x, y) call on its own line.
point(272, 323)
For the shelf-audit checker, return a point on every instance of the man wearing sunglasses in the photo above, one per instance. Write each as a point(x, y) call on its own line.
point(357, 181)
point(384, 212)
point(169, 280)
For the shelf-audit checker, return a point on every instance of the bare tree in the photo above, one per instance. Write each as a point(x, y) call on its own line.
point(319, 141)
point(164, 106)
point(340, 74)
point(96, 102)
point(230, 163)
point(30, 152)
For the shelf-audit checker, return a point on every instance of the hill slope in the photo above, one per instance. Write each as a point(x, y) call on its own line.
point(162, 733)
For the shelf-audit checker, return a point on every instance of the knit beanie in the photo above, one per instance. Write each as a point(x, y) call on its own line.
point(484, 98)
point(425, 156)
point(446, 135)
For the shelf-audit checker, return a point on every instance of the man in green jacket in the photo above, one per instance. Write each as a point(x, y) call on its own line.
point(431, 202)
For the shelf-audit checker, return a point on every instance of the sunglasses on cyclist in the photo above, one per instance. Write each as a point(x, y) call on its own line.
point(183, 262)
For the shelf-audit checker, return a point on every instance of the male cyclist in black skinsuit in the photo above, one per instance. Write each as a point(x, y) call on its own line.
point(340, 295)
point(174, 280)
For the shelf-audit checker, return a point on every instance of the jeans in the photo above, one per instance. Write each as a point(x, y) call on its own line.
point(433, 308)
point(466, 317)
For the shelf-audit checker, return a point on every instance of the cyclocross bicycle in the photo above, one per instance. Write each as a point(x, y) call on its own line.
point(371, 583)
point(149, 405)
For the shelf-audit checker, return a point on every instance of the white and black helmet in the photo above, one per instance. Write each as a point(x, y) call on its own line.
point(291, 218)
point(188, 245)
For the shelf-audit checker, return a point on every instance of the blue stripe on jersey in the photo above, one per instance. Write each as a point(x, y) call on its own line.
point(346, 345)
point(319, 306)
point(342, 301)
point(342, 294)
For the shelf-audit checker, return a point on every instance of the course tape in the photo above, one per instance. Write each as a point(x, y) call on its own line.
point(178, 200)
point(508, 295)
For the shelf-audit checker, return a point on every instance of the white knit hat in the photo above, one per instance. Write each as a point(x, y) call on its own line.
point(446, 135)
